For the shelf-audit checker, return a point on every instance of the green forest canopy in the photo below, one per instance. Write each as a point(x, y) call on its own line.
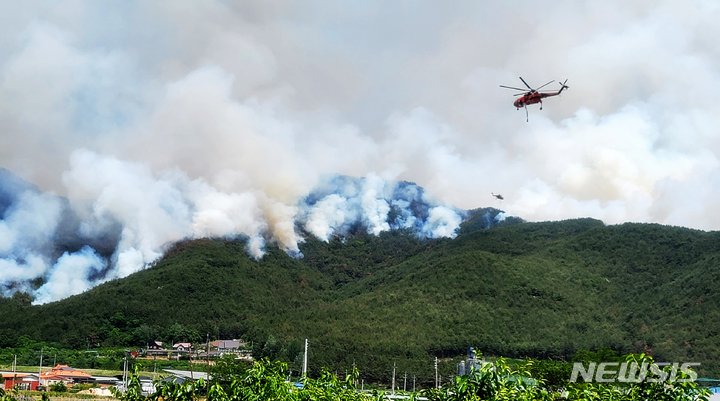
point(541, 290)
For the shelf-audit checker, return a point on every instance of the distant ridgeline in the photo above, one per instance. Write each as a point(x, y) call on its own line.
point(543, 290)
point(45, 243)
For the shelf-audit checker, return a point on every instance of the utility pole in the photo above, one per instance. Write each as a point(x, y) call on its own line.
point(190, 359)
point(414, 377)
point(40, 373)
point(207, 358)
point(405, 383)
point(436, 373)
point(124, 374)
point(305, 359)
point(126, 371)
point(393, 383)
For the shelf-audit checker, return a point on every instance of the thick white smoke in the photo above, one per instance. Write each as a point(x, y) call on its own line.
point(442, 222)
point(329, 215)
point(27, 227)
point(155, 210)
point(29, 222)
point(378, 205)
point(27, 233)
point(69, 276)
point(169, 120)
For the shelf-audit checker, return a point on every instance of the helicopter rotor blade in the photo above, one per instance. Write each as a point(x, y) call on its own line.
point(545, 84)
point(523, 81)
point(510, 87)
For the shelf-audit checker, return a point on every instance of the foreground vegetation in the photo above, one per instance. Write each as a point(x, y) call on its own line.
point(539, 290)
point(265, 380)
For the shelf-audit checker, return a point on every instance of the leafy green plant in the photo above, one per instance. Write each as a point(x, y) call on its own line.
point(82, 387)
point(493, 381)
point(329, 387)
point(265, 381)
point(59, 387)
point(227, 368)
point(8, 395)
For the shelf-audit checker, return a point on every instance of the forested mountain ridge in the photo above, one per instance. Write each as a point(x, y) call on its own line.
point(544, 290)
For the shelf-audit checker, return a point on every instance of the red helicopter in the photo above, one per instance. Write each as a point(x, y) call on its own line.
point(533, 96)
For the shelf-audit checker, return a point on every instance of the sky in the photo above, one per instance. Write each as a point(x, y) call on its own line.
point(167, 120)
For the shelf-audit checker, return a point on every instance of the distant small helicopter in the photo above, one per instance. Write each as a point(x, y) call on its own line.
point(498, 196)
point(533, 96)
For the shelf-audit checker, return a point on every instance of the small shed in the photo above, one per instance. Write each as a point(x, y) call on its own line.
point(21, 381)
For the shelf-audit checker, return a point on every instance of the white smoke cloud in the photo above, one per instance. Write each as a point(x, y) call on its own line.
point(375, 208)
point(29, 222)
point(25, 235)
point(442, 222)
point(256, 247)
point(405, 218)
point(158, 210)
point(378, 205)
point(228, 120)
point(328, 216)
point(69, 276)
point(152, 211)
point(219, 214)
point(30, 267)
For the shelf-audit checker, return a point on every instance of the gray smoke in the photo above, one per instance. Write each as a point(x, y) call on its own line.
point(143, 123)
point(136, 214)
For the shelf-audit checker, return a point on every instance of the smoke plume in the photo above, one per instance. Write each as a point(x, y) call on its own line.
point(141, 124)
point(137, 213)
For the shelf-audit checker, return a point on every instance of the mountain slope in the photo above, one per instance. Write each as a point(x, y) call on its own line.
point(531, 289)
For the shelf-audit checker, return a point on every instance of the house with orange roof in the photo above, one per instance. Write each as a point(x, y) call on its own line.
point(66, 374)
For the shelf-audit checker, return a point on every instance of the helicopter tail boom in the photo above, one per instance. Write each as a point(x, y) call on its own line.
point(563, 86)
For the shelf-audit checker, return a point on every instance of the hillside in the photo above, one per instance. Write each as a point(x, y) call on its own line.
point(544, 290)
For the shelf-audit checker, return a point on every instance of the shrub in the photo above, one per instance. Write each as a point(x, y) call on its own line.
point(59, 387)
